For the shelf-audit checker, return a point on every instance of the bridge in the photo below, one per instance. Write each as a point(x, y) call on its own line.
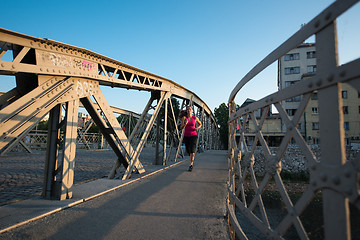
point(57, 78)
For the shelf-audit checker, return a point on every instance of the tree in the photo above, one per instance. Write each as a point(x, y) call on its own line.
point(222, 118)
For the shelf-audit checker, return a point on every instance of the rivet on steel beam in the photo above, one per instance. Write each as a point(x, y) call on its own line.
point(349, 191)
point(317, 24)
point(330, 78)
point(31, 43)
point(3, 65)
point(328, 16)
point(323, 176)
point(319, 82)
point(336, 180)
point(310, 85)
point(13, 66)
point(342, 74)
point(347, 173)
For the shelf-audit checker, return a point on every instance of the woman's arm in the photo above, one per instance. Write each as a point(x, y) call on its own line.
point(184, 121)
point(199, 124)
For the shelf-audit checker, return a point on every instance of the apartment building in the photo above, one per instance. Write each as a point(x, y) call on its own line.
point(292, 67)
point(351, 114)
point(299, 64)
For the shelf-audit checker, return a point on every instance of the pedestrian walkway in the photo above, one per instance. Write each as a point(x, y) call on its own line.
point(165, 203)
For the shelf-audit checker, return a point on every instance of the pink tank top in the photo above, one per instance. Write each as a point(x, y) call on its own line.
point(190, 127)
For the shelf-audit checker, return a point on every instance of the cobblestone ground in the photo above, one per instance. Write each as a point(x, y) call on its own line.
point(21, 176)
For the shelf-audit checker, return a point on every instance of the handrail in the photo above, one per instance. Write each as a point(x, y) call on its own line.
point(247, 189)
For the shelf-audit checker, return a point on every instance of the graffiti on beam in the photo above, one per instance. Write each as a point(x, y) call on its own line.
point(51, 59)
point(84, 88)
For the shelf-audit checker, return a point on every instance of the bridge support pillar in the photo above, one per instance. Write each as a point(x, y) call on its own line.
point(59, 168)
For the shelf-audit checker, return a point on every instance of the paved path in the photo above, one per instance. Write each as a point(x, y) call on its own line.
point(169, 203)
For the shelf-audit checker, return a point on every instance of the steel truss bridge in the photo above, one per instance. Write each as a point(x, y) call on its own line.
point(334, 177)
point(56, 79)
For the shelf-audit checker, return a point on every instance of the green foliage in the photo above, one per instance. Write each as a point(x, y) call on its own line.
point(302, 176)
point(43, 125)
point(93, 129)
point(222, 118)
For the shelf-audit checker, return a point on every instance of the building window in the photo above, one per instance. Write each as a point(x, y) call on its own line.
point(292, 56)
point(345, 110)
point(311, 54)
point(292, 70)
point(315, 126)
point(344, 94)
point(316, 140)
point(291, 112)
point(289, 83)
point(346, 126)
point(314, 96)
point(314, 110)
point(311, 68)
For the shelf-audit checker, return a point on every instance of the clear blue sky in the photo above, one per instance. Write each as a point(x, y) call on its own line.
point(206, 46)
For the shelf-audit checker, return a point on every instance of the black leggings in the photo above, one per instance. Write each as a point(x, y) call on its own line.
point(190, 143)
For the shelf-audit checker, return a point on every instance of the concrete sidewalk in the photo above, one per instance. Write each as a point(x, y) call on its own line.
point(165, 203)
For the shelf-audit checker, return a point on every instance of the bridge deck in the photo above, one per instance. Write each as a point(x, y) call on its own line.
point(165, 203)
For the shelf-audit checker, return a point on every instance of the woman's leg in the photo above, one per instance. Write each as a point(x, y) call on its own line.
point(192, 157)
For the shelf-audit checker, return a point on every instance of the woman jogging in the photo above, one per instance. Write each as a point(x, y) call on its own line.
point(190, 135)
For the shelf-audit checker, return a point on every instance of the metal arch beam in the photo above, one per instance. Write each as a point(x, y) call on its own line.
point(59, 59)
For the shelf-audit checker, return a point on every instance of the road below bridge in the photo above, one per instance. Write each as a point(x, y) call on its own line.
point(165, 203)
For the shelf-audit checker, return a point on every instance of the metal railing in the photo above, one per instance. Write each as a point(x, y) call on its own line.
point(325, 202)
